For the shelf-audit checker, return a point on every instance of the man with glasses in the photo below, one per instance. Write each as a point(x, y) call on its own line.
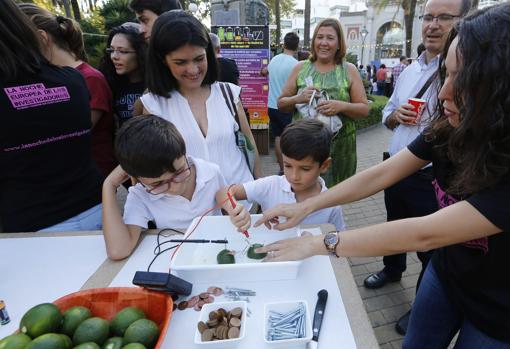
point(414, 196)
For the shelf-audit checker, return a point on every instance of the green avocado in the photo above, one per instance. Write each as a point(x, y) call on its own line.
point(15, 341)
point(93, 329)
point(142, 331)
point(254, 255)
point(225, 257)
point(41, 319)
point(124, 318)
point(73, 317)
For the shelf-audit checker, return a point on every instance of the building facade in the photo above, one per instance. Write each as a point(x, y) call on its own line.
point(372, 34)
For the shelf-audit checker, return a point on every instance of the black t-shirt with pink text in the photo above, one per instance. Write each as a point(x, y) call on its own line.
point(474, 273)
point(47, 174)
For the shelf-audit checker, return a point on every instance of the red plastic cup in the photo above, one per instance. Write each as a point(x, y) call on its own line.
point(418, 105)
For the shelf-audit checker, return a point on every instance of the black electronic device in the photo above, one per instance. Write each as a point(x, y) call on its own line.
point(163, 282)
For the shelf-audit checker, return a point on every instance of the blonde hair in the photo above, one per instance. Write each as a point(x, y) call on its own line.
point(342, 46)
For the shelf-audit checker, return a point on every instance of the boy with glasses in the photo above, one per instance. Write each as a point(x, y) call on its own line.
point(172, 188)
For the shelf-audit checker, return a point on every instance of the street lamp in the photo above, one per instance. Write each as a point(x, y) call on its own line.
point(364, 33)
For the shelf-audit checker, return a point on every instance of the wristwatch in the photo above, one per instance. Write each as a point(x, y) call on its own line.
point(331, 241)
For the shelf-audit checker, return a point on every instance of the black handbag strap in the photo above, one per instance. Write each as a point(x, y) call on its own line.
point(226, 91)
point(427, 84)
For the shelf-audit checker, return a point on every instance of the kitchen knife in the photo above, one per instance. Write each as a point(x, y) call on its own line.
point(318, 315)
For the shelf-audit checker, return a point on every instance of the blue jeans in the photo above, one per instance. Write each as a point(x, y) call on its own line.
point(435, 321)
point(90, 219)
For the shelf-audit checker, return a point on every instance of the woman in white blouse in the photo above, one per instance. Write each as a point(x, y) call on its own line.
point(181, 79)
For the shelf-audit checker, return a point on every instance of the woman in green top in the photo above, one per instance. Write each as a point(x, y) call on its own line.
point(342, 82)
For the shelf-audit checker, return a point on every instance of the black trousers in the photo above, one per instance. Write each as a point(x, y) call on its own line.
point(413, 196)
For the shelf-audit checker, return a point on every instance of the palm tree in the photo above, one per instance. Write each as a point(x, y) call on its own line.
point(409, 7)
point(306, 38)
point(76, 10)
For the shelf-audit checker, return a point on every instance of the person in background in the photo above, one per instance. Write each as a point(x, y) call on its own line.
point(62, 44)
point(147, 11)
point(124, 68)
point(183, 89)
point(303, 55)
point(279, 70)
point(464, 291)
point(328, 71)
point(227, 68)
point(414, 196)
point(172, 188)
point(381, 79)
point(399, 68)
point(48, 180)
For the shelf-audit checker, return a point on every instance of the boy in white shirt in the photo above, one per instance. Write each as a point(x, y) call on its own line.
point(172, 189)
point(305, 146)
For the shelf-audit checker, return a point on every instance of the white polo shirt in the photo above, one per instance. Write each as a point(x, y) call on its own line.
point(175, 211)
point(273, 190)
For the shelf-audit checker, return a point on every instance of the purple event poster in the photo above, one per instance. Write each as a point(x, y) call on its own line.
point(248, 46)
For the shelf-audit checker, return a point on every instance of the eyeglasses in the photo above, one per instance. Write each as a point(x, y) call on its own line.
point(443, 18)
point(121, 52)
point(178, 177)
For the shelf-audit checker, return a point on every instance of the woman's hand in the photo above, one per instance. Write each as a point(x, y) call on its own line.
point(305, 95)
point(294, 213)
point(299, 248)
point(240, 217)
point(330, 108)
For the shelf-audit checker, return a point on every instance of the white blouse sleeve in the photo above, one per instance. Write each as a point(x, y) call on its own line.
point(151, 103)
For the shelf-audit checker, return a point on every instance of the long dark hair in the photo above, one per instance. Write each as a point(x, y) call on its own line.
point(19, 43)
point(171, 31)
point(65, 32)
point(137, 41)
point(480, 146)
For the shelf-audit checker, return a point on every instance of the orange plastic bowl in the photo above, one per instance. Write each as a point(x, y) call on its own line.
point(106, 302)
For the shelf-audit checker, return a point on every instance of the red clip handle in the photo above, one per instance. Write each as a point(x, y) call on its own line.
point(234, 206)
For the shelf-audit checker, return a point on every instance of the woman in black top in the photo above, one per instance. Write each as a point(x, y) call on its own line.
point(466, 287)
point(124, 68)
point(47, 175)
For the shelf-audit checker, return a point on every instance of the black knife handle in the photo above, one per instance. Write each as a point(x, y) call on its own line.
point(320, 308)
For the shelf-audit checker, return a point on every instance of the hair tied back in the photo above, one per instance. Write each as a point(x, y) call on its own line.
point(61, 19)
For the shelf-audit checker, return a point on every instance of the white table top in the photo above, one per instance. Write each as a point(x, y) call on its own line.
point(29, 280)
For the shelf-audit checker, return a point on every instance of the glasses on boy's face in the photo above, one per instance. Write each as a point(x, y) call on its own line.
point(163, 186)
point(121, 52)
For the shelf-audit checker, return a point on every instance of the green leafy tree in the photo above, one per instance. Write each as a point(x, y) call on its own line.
point(116, 12)
point(277, 9)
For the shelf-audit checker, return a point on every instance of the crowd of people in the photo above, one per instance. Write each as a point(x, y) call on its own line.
point(158, 117)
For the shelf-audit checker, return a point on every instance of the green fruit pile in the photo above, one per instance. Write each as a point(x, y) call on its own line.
point(45, 327)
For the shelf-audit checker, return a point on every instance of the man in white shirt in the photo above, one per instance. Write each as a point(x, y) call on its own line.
point(414, 196)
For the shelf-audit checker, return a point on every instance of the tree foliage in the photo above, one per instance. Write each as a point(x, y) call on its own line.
point(116, 12)
point(409, 8)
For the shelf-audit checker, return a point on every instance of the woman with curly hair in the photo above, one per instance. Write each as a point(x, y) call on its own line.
point(464, 288)
point(124, 68)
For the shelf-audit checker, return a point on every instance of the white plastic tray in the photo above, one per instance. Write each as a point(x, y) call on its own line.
point(198, 261)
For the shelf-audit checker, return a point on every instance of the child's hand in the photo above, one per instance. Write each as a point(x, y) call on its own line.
point(117, 177)
point(240, 217)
